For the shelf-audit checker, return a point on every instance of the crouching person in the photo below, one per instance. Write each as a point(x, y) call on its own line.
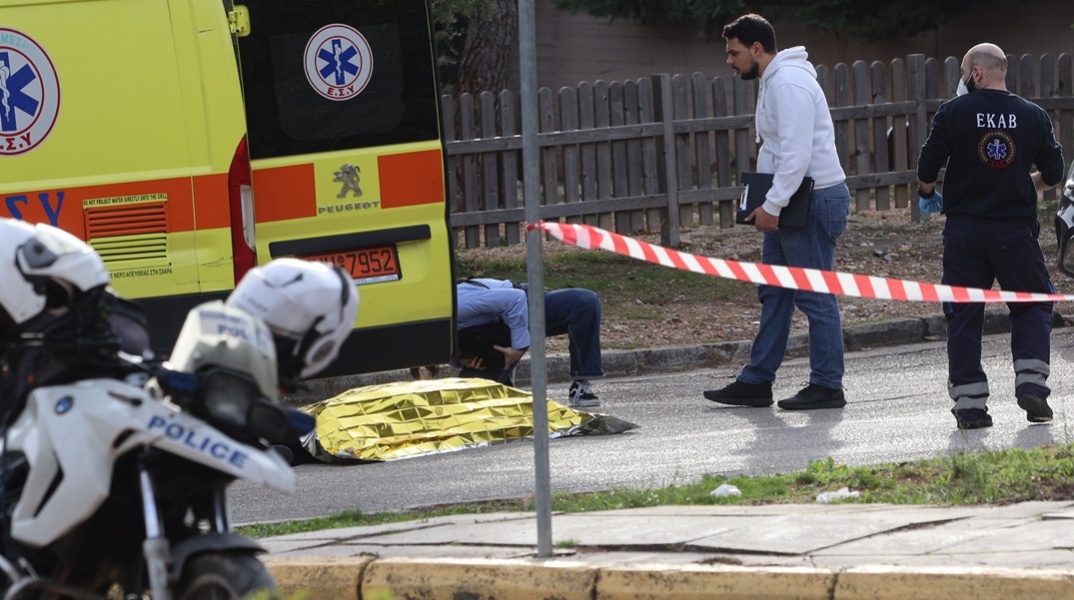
point(574, 312)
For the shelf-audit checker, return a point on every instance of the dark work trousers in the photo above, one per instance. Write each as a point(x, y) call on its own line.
point(977, 252)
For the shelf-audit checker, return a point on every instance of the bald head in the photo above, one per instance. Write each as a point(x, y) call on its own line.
point(987, 65)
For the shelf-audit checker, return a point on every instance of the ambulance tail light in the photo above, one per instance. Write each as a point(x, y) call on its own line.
point(241, 206)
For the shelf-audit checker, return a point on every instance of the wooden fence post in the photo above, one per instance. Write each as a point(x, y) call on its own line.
point(546, 114)
point(490, 177)
point(740, 91)
point(880, 130)
point(587, 120)
point(723, 152)
point(663, 110)
point(512, 187)
point(920, 129)
point(1047, 74)
point(568, 119)
point(683, 179)
point(862, 93)
point(841, 96)
point(469, 169)
point(1063, 89)
point(650, 151)
point(635, 169)
point(620, 183)
point(900, 132)
point(702, 143)
point(447, 118)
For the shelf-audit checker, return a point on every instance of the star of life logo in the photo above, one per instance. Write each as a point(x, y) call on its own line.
point(29, 93)
point(338, 62)
point(996, 149)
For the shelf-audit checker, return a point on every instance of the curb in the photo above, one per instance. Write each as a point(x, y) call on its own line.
point(625, 363)
point(368, 578)
point(328, 578)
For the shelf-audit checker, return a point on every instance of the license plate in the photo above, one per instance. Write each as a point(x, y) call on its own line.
point(367, 265)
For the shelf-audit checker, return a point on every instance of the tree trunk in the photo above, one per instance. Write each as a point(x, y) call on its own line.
point(489, 48)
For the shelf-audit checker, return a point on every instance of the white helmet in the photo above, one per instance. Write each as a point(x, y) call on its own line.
point(310, 307)
point(43, 268)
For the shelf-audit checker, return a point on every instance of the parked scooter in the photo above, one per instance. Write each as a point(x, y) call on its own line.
point(1064, 225)
point(115, 469)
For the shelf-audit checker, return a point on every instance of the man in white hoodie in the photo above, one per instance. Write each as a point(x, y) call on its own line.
point(794, 128)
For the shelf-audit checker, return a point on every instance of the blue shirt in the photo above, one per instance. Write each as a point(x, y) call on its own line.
point(500, 300)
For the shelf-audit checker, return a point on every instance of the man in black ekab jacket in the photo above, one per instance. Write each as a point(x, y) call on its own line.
point(991, 141)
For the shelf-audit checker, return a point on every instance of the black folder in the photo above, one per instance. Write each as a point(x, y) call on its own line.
point(755, 190)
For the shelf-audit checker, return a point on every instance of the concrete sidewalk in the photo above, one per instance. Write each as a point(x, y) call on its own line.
point(816, 552)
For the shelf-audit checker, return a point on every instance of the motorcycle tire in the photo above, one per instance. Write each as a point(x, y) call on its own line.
point(226, 576)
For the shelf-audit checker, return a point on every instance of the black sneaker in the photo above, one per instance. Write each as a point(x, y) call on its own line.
point(581, 395)
point(739, 393)
point(814, 396)
point(972, 418)
point(1037, 409)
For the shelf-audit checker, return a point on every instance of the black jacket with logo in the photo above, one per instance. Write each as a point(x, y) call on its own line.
point(990, 140)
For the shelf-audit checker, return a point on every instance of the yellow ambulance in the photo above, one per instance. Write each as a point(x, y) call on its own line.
point(188, 140)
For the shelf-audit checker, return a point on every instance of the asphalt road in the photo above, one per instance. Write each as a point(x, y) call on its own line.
point(898, 410)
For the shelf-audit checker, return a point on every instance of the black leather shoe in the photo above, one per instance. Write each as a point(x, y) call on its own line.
point(972, 418)
point(814, 396)
point(739, 393)
point(1037, 409)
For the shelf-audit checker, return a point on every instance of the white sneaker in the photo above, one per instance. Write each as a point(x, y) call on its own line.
point(581, 395)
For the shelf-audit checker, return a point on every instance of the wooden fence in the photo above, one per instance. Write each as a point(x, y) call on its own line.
point(663, 153)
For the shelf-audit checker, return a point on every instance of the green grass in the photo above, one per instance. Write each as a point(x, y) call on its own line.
point(999, 477)
point(621, 281)
point(359, 518)
point(632, 292)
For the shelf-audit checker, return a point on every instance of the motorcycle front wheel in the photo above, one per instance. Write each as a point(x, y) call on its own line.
point(226, 576)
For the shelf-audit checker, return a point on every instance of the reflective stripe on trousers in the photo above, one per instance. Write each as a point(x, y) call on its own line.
point(969, 395)
point(1031, 372)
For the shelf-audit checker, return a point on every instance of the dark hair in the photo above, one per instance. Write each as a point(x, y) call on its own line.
point(752, 28)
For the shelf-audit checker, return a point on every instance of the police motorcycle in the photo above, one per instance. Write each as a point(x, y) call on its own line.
point(115, 467)
point(1064, 225)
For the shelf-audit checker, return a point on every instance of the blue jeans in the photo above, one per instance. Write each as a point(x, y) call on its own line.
point(574, 312)
point(812, 246)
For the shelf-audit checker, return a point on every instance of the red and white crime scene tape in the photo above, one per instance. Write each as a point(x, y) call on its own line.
point(795, 278)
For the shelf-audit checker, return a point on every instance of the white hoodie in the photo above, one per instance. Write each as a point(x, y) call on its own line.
point(796, 129)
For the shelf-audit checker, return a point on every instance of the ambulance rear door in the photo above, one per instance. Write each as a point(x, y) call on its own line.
point(348, 164)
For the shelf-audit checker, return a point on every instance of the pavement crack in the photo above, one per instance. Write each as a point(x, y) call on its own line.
point(716, 550)
point(385, 532)
point(907, 527)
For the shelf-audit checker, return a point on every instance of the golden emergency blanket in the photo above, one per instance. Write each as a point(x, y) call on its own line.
point(412, 418)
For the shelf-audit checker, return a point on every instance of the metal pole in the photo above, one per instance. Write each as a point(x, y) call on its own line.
point(527, 52)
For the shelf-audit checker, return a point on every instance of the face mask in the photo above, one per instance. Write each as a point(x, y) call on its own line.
point(967, 86)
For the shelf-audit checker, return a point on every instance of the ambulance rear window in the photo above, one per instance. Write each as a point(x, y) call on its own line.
point(321, 76)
